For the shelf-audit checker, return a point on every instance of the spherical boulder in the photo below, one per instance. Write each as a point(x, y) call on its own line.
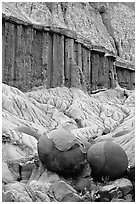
point(61, 152)
point(107, 159)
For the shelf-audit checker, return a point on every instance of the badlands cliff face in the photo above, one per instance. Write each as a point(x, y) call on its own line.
point(57, 44)
point(105, 116)
point(111, 25)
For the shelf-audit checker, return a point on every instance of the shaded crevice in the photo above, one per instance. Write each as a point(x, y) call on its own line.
point(49, 6)
point(107, 23)
point(64, 6)
point(20, 177)
point(116, 46)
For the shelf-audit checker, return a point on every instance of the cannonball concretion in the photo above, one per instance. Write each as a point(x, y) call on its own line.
point(61, 152)
point(107, 159)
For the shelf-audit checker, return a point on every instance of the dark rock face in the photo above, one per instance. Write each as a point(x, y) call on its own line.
point(131, 174)
point(107, 159)
point(36, 55)
point(124, 79)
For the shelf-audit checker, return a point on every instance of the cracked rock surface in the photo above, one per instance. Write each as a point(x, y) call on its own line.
point(88, 117)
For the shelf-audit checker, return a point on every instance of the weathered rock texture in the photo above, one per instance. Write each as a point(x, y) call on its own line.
point(118, 18)
point(111, 25)
point(107, 24)
point(72, 45)
point(43, 43)
point(87, 117)
point(115, 191)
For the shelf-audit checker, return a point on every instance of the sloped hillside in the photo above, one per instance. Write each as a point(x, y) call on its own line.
point(111, 25)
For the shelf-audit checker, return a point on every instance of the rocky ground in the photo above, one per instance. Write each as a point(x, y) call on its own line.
point(107, 115)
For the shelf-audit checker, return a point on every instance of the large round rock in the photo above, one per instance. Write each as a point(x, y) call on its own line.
point(107, 159)
point(61, 152)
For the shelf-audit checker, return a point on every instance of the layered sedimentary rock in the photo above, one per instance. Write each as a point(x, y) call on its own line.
point(107, 24)
point(82, 36)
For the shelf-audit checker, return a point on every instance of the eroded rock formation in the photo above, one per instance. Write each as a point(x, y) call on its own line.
point(87, 117)
point(74, 46)
point(107, 24)
point(36, 53)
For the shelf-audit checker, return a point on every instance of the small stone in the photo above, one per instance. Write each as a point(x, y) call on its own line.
point(42, 197)
point(83, 184)
point(119, 193)
point(63, 191)
point(115, 193)
point(7, 197)
point(24, 181)
point(110, 191)
point(107, 188)
point(105, 192)
point(124, 185)
point(7, 176)
point(106, 131)
point(71, 198)
point(117, 200)
point(40, 186)
point(128, 198)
